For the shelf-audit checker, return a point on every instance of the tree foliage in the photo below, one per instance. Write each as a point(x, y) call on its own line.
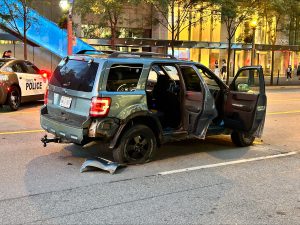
point(108, 12)
point(12, 14)
point(177, 15)
point(273, 16)
point(233, 13)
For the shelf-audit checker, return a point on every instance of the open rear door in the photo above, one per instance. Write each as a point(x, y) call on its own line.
point(245, 105)
point(198, 104)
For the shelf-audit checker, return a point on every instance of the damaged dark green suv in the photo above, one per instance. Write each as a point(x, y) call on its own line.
point(134, 102)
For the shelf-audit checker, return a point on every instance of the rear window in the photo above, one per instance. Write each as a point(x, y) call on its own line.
point(124, 77)
point(75, 75)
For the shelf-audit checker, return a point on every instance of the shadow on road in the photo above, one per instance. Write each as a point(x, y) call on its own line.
point(219, 147)
point(24, 106)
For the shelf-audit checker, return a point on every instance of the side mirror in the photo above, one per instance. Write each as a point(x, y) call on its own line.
point(243, 88)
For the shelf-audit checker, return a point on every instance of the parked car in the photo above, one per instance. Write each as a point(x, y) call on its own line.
point(21, 81)
point(135, 102)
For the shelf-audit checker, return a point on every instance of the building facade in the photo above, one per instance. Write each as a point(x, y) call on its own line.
point(202, 39)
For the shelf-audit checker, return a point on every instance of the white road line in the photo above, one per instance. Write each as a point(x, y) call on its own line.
point(227, 163)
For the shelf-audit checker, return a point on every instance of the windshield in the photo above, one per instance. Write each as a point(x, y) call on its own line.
point(75, 75)
point(3, 61)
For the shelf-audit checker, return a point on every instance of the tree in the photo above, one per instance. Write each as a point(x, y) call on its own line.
point(294, 22)
point(274, 13)
point(109, 13)
point(177, 15)
point(14, 13)
point(233, 14)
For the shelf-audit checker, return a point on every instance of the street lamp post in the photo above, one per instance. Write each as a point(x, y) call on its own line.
point(67, 5)
point(253, 25)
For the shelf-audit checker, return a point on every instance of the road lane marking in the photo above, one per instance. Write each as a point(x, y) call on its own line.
point(227, 163)
point(284, 112)
point(21, 132)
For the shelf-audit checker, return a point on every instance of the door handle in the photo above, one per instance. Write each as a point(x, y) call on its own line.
point(20, 78)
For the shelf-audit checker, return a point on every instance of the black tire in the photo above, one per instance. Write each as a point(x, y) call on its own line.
point(137, 146)
point(240, 139)
point(14, 98)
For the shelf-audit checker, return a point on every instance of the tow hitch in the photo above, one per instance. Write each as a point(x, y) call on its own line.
point(46, 140)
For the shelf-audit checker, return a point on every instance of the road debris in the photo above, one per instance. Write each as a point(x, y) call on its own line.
point(100, 163)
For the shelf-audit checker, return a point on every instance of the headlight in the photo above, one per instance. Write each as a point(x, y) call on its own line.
point(3, 78)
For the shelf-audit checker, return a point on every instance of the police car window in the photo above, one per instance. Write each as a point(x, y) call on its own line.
point(191, 79)
point(32, 69)
point(123, 77)
point(76, 75)
point(18, 68)
point(7, 69)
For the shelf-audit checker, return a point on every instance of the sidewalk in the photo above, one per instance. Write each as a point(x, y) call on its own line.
point(275, 87)
point(282, 81)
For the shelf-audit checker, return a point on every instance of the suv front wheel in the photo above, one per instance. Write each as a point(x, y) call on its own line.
point(241, 139)
point(137, 146)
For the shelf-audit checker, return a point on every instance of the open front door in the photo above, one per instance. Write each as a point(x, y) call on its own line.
point(245, 105)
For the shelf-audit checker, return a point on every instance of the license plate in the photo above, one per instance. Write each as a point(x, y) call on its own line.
point(65, 102)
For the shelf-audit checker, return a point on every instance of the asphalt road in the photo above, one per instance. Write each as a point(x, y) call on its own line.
point(218, 183)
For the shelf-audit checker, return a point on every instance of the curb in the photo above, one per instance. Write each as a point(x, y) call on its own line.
point(282, 87)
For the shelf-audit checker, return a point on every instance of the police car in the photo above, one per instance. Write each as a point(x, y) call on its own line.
point(21, 81)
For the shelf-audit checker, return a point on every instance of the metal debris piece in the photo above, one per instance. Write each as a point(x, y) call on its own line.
point(100, 163)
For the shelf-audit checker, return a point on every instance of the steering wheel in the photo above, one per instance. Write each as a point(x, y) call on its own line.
point(126, 88)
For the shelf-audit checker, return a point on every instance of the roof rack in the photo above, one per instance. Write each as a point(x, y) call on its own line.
point(140, 55)
point(82, 52)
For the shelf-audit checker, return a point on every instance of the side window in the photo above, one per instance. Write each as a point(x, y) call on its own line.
point(123, 77)
point(209, 80)
point(152, 80)
point(18, 68)
point(164, 77)
point(172, 72)
point(191, 79)
point(247, 81)
point(32, 69)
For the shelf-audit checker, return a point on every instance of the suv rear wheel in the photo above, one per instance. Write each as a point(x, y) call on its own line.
point(241, 139)
point(137, 146)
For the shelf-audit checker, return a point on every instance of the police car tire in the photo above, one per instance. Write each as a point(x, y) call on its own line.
point(240, 139)
point(14, 105)
point(120, 153)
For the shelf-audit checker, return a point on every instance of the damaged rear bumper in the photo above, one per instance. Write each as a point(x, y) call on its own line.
point(64, 131)
point(91, 130)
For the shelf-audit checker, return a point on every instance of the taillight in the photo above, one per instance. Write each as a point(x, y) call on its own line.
point(100, 107)
point(45, 74)
point(46, 97)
